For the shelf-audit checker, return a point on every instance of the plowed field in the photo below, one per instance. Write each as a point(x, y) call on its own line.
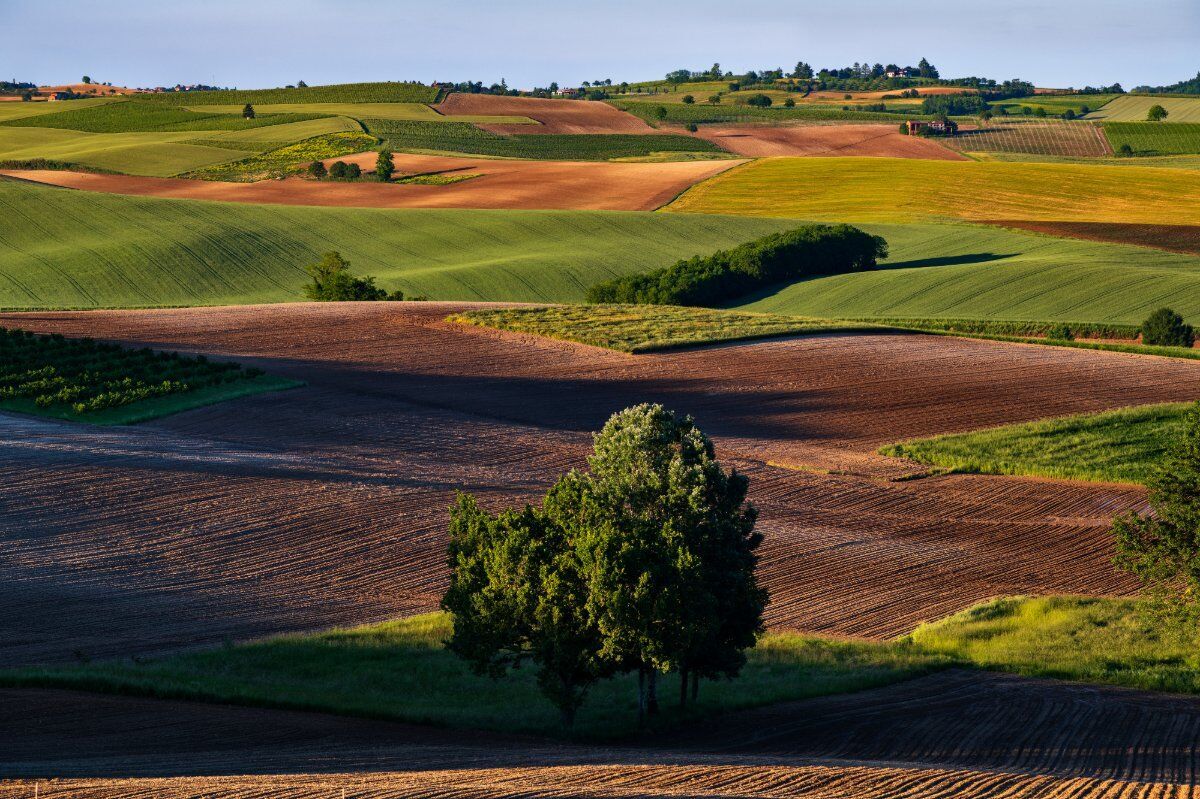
point(501, 184)
point(882, 141)
point(952, 734)
point(554, 116)
point(327, 504)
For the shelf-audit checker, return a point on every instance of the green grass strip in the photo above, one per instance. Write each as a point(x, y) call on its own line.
point(649, 328)
point(400, 670)
point(1120, 446)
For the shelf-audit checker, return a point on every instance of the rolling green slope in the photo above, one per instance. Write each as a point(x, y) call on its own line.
point(1134, 107)
point(61, 248)
point(154, 154)
point(976, 272)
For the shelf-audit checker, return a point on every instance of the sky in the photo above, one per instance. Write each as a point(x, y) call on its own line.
point(262, 43)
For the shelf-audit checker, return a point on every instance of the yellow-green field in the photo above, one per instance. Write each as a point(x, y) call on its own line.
point(885, 190)
point(402, 111)
point(1131, 108)
point(288, 132)
point(154, 154)
point(19, 110)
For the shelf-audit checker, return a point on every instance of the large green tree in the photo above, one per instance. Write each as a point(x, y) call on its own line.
point(1163, 549)
point(517, 593)
point(645, 562)
point(672, 583)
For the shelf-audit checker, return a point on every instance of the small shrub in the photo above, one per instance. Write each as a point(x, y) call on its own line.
point(317, 170)
point(758, 101)
point(789, 103)
point(338, 169)
point(1165, 328)
point(1125, 150)
point(353, 171)
point(691, 127)
point(1060, 333)
point(688, 99)
point(248, 112)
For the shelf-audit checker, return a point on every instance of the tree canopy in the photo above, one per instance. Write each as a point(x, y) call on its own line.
point(645, 562)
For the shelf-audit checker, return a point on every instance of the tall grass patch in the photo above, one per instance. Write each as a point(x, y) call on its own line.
point(1114, 641)
point(1122, 446)
point(400, 670)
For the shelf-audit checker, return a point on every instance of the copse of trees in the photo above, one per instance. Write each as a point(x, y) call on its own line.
point(728, 274)
point(332, 281)
point(644, 563)
point(953, 104)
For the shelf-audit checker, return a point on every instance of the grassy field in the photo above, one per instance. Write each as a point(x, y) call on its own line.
point(887, 190)
point(131, 251)
point(1164, 161)
point(1133, 108)
point(291, 159)
point(646, 328)
point(1155, 138)
point(62, 248)
point(460, 137)
point(399, 670)
point(386, 92)
point(1121, 446)
point(10, 111)
point(951, 271)
point(1113, 641)
point(1055, 104)
point(155, 154)
point(289, 132)
point(397, 111)
point(136, 117)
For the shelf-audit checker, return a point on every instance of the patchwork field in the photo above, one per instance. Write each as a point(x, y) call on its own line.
point(157, 154)
point(1133, 108)
point(483, 414)
point(500, 184)
point(396, 111)
point(873, 190)
point(552, 116)
point(830, 140)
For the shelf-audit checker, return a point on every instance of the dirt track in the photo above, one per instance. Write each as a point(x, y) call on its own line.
point(327, 504)
point(950, 734)
point(569, 185)
point(880, 141)
point(555, 116)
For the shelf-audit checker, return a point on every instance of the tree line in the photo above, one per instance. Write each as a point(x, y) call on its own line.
point(644, 563)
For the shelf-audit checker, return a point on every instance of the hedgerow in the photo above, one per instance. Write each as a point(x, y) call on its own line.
point(140, 117)
point(728, 274)
point(85, 376)
point(385, 92)
point(290, 160)
point(463, 137)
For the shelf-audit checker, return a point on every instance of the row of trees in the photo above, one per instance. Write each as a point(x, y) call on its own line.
point(385, 167)
point(644, 563)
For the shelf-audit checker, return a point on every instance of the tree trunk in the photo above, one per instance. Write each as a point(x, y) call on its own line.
point(641, 696)
point(683, 687)
point(652, 698)
point(695, 685)
point(567, 716)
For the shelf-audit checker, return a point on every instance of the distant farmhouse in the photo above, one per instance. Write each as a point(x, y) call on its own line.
point(902, 72)
point(937, 127)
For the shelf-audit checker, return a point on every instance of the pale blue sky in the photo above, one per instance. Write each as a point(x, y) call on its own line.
point(255, 43)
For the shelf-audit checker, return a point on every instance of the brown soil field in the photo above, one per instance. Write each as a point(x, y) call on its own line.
point(1173, 238)
point(956, 733)
point(883, 141)
point(327, 504)
point(567, 185)
point(555, 116)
